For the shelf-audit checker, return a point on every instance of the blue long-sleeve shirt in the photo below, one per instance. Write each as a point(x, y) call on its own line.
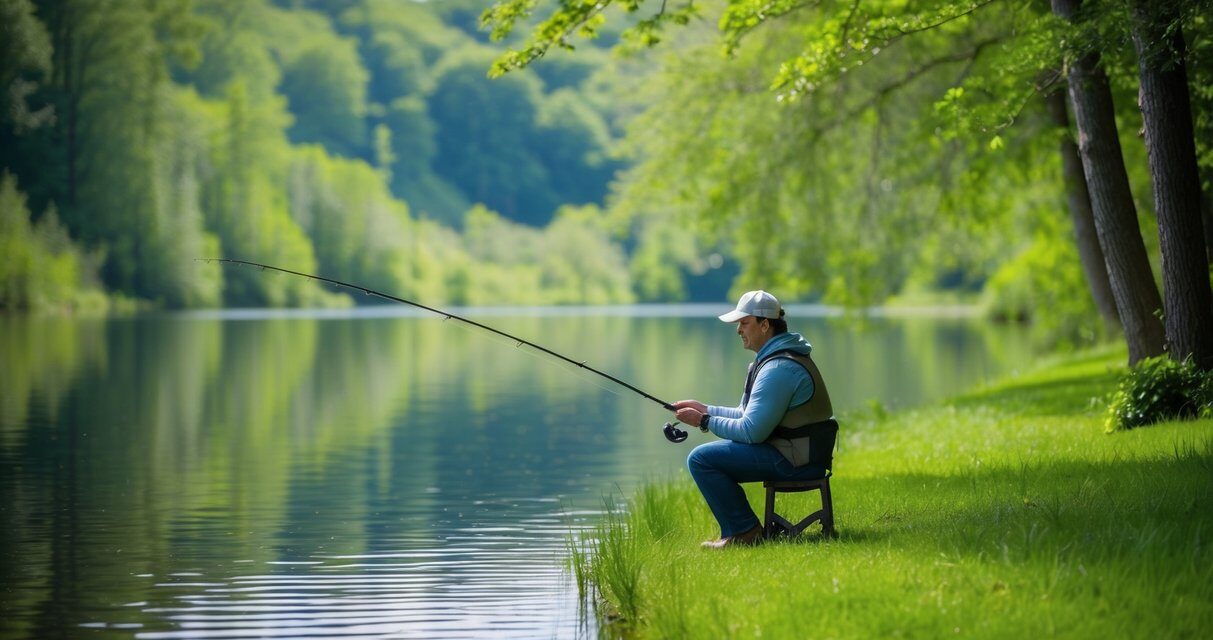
point(780, 384)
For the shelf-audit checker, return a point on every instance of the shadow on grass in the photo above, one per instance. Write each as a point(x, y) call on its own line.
point(1076, 393)
point(813, 537)
point(1089, 511)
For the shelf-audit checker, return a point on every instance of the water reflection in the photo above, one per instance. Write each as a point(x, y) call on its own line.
point(373, 473)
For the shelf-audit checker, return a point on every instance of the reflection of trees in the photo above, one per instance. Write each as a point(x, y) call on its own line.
point(39, 360)
point(197, 442)
point(209, 438)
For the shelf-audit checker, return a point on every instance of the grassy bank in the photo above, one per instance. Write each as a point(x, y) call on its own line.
point(1007, 512)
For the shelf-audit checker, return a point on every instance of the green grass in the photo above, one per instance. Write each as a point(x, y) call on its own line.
point(1005, 513)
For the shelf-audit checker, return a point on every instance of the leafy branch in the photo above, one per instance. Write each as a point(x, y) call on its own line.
point(573, 18)
point(820, 64)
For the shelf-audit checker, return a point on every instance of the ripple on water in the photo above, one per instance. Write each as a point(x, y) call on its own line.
point(497, 582)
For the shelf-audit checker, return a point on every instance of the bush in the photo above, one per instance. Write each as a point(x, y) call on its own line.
point(41, 269)
point(1160, 389)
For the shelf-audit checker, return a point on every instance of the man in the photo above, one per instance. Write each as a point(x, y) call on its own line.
point(784, 428)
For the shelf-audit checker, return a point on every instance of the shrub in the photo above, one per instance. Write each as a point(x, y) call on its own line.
point(41, 269)
point(1160, 389)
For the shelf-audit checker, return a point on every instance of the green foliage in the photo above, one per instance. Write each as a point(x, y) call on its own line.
point(576, 19)
point(247, 204)
point(25, 54)
point(325, 88)
point(359, 231)
point(1200, 72)
point(232, 49)
point(413, 143)
point(910, 137)
point(902, 141)
point(489, 152)
point(512, 147)
point(846, 197)
point(172, 131)
point(580, 262)
point(40, 268)
point(396, 68)
point(572, 260)
point(1159, 389)
point(180, 159)
point(570, 72)
point(128, 141)
point(24, 42)
point(1040, 281)
point(854, 36)
point(1043, 285)
point(571, 141)
point(25, 67)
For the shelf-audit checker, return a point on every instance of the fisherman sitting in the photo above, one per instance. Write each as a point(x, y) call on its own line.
point(784, 428)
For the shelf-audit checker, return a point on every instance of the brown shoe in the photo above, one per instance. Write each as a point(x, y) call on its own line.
point(747, 539)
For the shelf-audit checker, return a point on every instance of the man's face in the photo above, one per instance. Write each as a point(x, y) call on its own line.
point(754, 332)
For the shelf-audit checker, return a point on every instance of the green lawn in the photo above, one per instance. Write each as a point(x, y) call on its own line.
point(1007, 512)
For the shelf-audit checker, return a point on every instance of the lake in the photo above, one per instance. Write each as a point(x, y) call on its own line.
point(373, 472)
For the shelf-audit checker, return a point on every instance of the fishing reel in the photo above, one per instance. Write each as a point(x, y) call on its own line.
point(673, 433)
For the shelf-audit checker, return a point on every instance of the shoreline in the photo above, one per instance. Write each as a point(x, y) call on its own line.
point(1004, 511)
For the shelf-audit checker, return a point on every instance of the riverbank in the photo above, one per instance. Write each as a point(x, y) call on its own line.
point(1005, 512)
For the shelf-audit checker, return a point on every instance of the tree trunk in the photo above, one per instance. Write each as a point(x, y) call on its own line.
point(1079, 203)
point(1206, 212)
point(1129, 272)
point(1166, 110)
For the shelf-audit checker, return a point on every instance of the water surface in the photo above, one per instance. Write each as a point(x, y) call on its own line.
point(368, 473)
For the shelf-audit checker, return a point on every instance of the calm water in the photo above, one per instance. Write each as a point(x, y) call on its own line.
point(370, 473)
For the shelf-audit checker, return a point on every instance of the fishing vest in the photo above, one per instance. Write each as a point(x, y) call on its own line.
point(806, 433)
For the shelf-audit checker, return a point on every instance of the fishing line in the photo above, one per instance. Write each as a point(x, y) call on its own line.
point(671, 431)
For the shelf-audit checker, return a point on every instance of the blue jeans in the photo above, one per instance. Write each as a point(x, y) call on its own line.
point(720, 467)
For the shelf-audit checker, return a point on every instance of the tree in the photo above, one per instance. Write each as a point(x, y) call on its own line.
point(39, 265)
point(1167, 115)
point(1078, 199)
point(396, 67)
point(413, 143)
point(247, 204)
point(360, 232)
point(571, 141)
point(482, 138)
point(110, 87)
point(325, 88)
point(844, 36)
point(25, 66)
point(24, 47)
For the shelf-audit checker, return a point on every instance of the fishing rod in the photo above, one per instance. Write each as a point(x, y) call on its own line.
point(671, 430)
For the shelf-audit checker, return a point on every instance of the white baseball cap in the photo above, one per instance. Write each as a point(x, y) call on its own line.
point(754, 303)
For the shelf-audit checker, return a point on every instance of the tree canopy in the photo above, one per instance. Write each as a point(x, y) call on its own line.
point(858, 150)
point(850, 152)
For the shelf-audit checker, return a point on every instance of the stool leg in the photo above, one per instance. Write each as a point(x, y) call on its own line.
point(827, 511)
point(768, 518)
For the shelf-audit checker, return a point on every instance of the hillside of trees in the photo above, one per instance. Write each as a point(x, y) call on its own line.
point(361, 140)
point(1051, 159)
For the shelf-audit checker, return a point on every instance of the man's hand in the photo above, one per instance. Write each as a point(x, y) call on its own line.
point(690, 411)
point(691, 404)
point(689, 415)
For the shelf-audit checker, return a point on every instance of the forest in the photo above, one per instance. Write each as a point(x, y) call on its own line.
point(361, 140)
point(1049, 160)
